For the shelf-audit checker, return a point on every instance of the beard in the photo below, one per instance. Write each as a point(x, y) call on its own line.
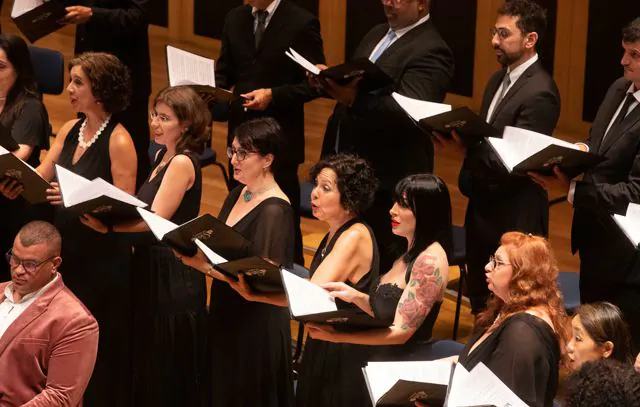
point(505, 59)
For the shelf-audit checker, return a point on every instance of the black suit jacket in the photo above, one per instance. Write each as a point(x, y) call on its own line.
point(608, 188)
point(375, 126)
point(119, 27)
point(246, 68)
point(500, 202)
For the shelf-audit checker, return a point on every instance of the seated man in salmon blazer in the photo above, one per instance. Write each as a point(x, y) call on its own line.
point(48, 339)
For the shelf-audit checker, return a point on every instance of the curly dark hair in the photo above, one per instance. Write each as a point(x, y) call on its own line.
point(356, 180)
point(192, 112)
point(603, 383)
point(263, 136)
point(109, 79)
point(631, 32)
point(531, 17)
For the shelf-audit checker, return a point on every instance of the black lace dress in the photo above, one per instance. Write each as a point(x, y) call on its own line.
point(384, 302)
point(170, 315)
point(95, 267)
point(250, 342)
point(331, 373)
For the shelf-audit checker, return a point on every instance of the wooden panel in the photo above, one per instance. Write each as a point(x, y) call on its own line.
point(209, 15)
point(604, 50)
point(332, 23)
point(159, 13)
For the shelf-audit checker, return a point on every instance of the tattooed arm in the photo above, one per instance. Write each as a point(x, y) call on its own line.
point(422, 292)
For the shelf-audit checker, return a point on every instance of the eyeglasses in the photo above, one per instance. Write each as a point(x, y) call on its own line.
point(241, 153)
point(495, 263)
point(502, 33)
point(30, 266)
point(163, 118)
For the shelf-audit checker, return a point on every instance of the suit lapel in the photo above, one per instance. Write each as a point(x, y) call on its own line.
point(490, 91)
point(364, 50)
point(246, 29)
point(400, 42)
point(618, 131)
point(31, 313)
point(611, 106)
point(522, 80)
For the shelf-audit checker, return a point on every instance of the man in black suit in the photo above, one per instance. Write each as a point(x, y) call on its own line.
point(120, 27)
point(522, 95)
point(609, 266)
point(253, 62)
point(371, 124)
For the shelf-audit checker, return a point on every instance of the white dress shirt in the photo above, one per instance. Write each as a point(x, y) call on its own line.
point(10, 310)
point(636, 94)
point(399, 33)
point(513, 76)
point(270, 10)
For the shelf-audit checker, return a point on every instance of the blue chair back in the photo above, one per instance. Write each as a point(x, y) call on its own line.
point(48, 66)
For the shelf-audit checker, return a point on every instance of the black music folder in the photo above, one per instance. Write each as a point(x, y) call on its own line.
point(38, 18)
point(523, 151)
point(470, 127)
point(261, 274)
point(185, 68)
point(97, 198)
point(372, 76)
point(213, 236)
point(6, 140)
point(35, 187)
point(309, 302)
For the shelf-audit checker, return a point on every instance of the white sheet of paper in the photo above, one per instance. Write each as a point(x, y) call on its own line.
point(69, 183)
point(420, 109)
point(302, 61)
point(481, 386)
point(630, 223)
point(21, 7)
point(186, 68)
point(305, 297)
point(212, 256)
point(516, 145)
point(4, 151)
point(158, 225)
point(382, 376)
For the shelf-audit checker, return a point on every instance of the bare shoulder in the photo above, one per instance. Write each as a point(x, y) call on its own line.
point(65, 129)
point(357, 234)
point(120, 135)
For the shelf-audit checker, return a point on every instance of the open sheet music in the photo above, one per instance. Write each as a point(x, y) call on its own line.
point(97, 198)
point(480, 387)
point(372, 76)
point(402, 383)
point(419, 109)
point(35, 187)
point(37, 18)
point(522, 151)
point(630, 223)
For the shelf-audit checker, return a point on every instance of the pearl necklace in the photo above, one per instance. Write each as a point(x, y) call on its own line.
point(86, 144)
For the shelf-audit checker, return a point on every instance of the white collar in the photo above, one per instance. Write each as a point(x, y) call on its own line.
point(402, 31)
point(271, 8)
point(635, 93)
point(520, 69)
point(8, 292)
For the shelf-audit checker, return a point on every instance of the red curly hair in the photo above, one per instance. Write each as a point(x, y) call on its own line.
point(533, 285)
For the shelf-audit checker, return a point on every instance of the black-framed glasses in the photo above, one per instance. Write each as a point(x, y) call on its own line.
point(495, 263)
point(241, 153)
point(30, 266)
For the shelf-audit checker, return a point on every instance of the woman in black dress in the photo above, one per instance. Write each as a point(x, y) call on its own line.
point(409, 296)
point(330, 373)
point(22, 112)
point(523, 331)
point(96, 266)
point(250, 342)
point(170, 298)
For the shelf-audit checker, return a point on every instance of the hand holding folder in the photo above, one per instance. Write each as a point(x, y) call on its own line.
point(25, 179)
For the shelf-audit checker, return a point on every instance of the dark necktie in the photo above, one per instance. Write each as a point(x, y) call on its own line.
point(625, 109)
point(261, 15)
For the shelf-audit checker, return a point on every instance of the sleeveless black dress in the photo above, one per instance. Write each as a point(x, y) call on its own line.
point(95, 267)
point(170, 314)
point(331, 373)
point(250, 342)
point(30, 127)
point(384, 300)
